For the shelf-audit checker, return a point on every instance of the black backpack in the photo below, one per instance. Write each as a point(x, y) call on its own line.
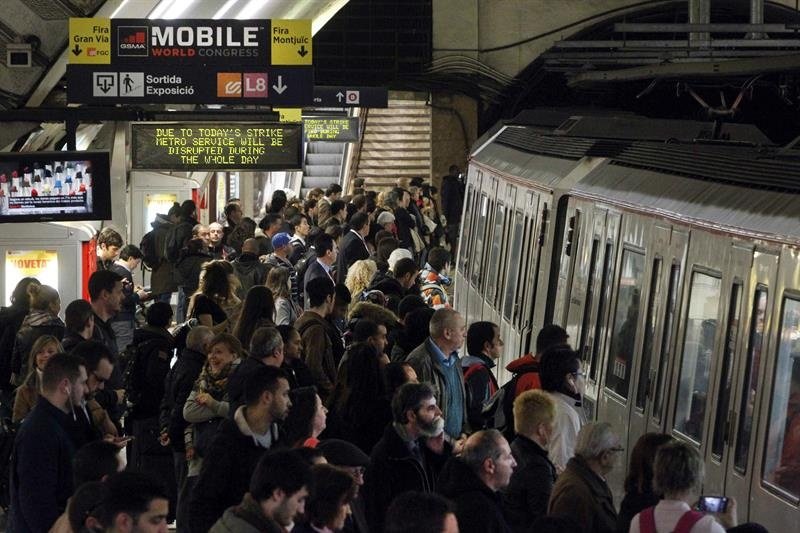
point(134, 358)
point(173, 243)
point(151, 256)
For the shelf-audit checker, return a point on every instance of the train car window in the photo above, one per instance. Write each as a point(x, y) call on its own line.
point(666, 338)
point(753, 364)
point(477, 248)
point(463, 244)
point(605, 286)
point(528, 271)
point(514, 261)
point(698, 353)
point(496, 244)
point(643, 385)
point(583, 346)
point(782, 453)
point(626, 321)
point(726, 380)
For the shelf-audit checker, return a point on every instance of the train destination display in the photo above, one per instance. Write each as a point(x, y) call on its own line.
point(55, 186)
point(216, 146)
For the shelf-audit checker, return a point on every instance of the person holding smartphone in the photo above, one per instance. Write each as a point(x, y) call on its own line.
point(679, 476)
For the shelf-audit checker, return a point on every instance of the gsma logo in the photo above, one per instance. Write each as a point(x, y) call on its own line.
point(229, 84)
point(132, 41)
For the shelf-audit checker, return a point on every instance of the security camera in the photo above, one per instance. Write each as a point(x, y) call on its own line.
point(18, 55)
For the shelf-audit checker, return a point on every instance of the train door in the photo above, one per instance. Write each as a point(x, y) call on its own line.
point(604, 236)
point(631, 286)
point(535, 215)
point(461, 288)
point(498, 249)
point(650, 391)
point(483, 229)
point(723, 369)
point(470, 224)
point(775, 462)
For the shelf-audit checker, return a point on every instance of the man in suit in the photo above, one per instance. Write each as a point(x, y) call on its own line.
point(322, 267)
point(354, 247)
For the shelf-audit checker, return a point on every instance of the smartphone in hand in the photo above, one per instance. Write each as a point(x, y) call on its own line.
point(712, 504)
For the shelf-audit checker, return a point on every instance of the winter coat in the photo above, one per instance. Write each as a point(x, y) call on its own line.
point(41, 469)
point(71, 340)
point(452, 199)
point(162, 278)
point(318, 337)
point(238, 378)
point(129, 296)
point(25, 397)
point(583, 495)
point(478, 507)
point(177, 387)
point(298, 373)
point(188, 268)
point(429, 370)
point(34, 325)
point(374, 312)
point(480, 386)
point(568, 422)
point(250, 271)
point(10, 321)
point(352, 249)
point(405, 223)
point(393, 470)
point(286, 312)
point(525, 499)
point(224, 479)
point(246, 517)
point(149, 373)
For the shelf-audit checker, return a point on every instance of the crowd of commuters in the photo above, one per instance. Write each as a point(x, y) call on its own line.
point(317, 380)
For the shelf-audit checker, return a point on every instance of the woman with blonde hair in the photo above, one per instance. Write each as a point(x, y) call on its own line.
point(27, 394)
point(280, 283)
point(359, 277)
point(41, 320)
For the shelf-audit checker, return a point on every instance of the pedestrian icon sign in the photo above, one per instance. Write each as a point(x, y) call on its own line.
point(131, 84)
point(89, 41)
point(290, 42)
point(104, 84)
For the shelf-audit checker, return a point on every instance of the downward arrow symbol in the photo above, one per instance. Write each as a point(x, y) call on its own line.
point(302, 51)
point(280, 87)
point(77, 50)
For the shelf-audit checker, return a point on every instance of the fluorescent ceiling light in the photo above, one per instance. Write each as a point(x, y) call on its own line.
point(224, 9)
point(250, 9)
point(121, 6)
point(178, 8)
point(161, 8)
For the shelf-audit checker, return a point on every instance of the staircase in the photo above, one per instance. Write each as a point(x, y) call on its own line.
point(323, 165)
point(396, 142)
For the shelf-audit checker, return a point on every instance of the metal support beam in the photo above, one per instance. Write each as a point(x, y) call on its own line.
point(632, 27)
point(756, 17)
point(699, 13)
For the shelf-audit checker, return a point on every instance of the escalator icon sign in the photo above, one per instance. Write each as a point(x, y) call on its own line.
point(105, 84)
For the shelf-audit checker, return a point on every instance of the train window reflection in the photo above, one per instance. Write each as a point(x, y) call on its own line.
point(643, 385)
point(698, 352)
point(626, 321)
point(496, 243)
point(666, 339)
point(726, 381)
point(483, 210)
point(514, 261)
point(583, 346)
point(750, 393)
point(599, 326)
point(782, 457)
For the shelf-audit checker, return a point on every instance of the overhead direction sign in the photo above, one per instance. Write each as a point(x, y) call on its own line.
point(287, 86)
point(89, 41)
point(290, 42)
point(198, 146)
point(348, 96)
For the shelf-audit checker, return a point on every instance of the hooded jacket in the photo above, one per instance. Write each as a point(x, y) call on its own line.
point(162, 279)
point(478, 507)
point(188, 268)
point(250, 271)
point(318, 337)
point(34, 325)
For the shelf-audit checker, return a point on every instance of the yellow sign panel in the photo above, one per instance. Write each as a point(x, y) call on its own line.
point(289, 114)
point(290, 41)
point(90, 41)
point(39, 264)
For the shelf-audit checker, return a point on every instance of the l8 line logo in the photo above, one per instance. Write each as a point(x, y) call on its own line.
point(242, 85)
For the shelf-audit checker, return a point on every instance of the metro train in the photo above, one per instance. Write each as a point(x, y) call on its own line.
point(673, 261)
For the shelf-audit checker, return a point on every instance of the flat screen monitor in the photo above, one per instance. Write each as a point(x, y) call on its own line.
point(54, 186)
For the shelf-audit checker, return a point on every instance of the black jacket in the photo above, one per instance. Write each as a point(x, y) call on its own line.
point(452, 199)
point(392, 471)
point(41, 469)
point(42, 324)
point(351, 250)
point(10, 321)
point(148, 375)
point(188, 268)
point(405, 223)
point(315, 270)
point(525, 499)
point(238, 378)
point(228, 464)
point(130, 298)
point(177, 387)
point(250, 271)
point(71, 340)
point(162, 278)
point(298, 373)
point(632, 504)
point(478, 507)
